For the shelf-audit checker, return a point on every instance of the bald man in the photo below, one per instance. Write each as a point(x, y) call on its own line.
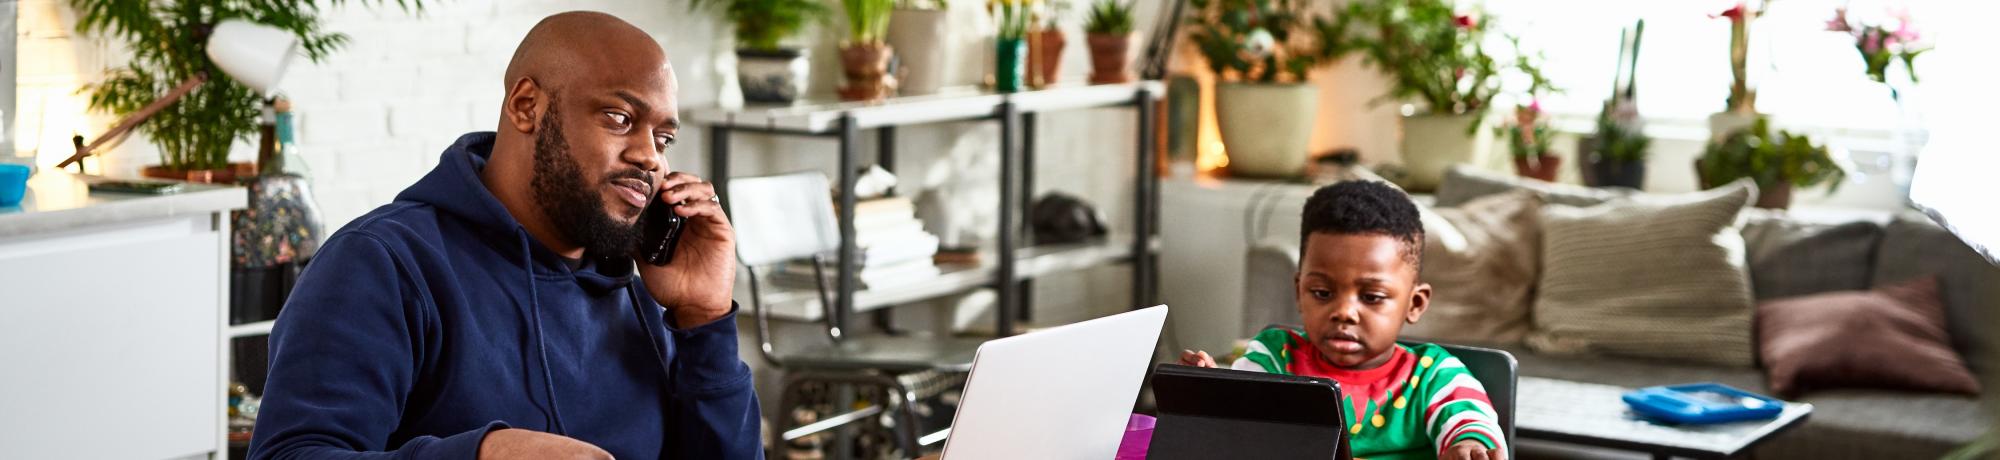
point(494, 310)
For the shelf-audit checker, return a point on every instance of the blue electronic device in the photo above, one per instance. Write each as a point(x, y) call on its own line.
point(1702, 403)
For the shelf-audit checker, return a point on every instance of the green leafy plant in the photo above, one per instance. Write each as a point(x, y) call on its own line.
point(1770, 160)
point(1014, 16)
point(1530, 135)
point(1434, 54)
point(867, 20)
point(764, 24)
point(1618, 136)
point(923, 4)
point(1263, 40)
point(169, 43)
point(1109, 17)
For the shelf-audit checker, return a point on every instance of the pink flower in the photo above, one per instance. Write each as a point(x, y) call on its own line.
point(1871, 41)
point(1906, 28)
point(1734, 13)
point(1466, 21)
point(1839, 21)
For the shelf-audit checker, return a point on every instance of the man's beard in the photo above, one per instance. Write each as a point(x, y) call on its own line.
point(570, 202)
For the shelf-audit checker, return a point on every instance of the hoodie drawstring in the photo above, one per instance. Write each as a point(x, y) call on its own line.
point(554, 413)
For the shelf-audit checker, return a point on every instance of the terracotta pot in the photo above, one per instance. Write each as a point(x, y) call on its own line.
point(1543, 167)
point(1109, 56)
point(205, 176)
point(1776, 196)
point(1045, 55)
point(867, 69)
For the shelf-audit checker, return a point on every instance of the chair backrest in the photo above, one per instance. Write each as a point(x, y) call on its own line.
point(1497, 370)
point(783, 217)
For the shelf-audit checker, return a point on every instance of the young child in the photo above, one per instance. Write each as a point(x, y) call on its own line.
point(1357, 286)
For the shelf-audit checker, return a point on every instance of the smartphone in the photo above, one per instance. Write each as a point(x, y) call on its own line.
point(660, 233)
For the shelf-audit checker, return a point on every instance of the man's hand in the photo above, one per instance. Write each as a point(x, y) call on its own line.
point(1472, 450)
point(509, 444)
point(1197, 358)
point(696, 286)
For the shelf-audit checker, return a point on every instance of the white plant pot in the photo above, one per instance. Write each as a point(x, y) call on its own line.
point(772, 76)
point(919, 38)
point(1266, 128)
point(1433, 143)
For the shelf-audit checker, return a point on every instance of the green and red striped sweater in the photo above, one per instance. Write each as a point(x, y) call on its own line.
point(1413, 407)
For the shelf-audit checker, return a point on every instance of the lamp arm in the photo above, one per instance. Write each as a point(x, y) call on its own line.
point(133, 120)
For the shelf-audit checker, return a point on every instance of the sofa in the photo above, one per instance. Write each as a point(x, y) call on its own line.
point(1785, 255)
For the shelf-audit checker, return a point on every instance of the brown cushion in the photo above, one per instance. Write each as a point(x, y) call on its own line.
point(1890, 337)
point(1480, 259)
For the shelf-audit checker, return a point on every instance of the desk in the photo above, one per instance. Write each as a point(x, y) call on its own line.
point(1594, 415)
point(113, 312)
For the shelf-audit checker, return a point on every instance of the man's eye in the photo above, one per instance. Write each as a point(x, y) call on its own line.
point(618, 118)
point(662, 142)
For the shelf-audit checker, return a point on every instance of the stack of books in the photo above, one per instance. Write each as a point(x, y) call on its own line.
point(894, 248)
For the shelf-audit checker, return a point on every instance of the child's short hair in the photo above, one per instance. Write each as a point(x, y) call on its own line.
point(1364, 207)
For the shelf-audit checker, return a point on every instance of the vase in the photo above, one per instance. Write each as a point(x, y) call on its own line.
point(919, 37)
point(225, 175)
point(1722, 123)
point(772, 76)
point(1266, 127)
point(1433, 143)
point(1009, 64)
point(866, 66)
point(1045, 53)
point(1542, 167)
point(1110, 54)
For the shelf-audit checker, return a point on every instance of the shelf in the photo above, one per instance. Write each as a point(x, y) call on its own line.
point(237, 331)
point(1031, 263)
point(952, 104)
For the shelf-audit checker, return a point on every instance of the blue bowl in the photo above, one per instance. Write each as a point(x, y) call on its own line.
point(13, 183)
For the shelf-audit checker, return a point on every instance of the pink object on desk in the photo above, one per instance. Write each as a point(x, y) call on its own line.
point(1138, 434)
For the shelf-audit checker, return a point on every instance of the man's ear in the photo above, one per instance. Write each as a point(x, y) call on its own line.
point(522, 111)
point(1420, 301)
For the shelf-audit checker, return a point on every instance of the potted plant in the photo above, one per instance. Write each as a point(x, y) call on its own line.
point(1529, 138)
point(864, 55)
point(1777, 163)
point(169, 44)
point(918, 33)
point(1617, 152)
point(1045, 46)
point(1437, 57)
point(1741, 111)
point(1010, 43)
point(1110, 35)
point(766, 70)
point(1260, 52)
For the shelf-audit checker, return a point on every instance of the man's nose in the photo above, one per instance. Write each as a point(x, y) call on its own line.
point(643, 156)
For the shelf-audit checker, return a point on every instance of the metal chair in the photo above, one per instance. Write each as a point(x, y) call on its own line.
point(786, 218)
point(1497, 370)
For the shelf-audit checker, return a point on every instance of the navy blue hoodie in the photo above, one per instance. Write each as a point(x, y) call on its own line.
point(435, 319)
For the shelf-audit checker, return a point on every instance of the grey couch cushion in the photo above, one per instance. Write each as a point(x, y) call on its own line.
point(1791, 257)
point(1912, 246)
point(1859, 424)
point(1464, 183)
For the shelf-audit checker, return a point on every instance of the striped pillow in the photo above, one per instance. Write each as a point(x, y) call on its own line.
point(1658, 276)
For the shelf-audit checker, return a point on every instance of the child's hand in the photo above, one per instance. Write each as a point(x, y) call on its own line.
point(1197, 358)
point(1473, 450)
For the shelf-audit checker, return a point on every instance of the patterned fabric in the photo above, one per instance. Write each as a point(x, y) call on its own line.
point(1413, 407)
point(1658, 276)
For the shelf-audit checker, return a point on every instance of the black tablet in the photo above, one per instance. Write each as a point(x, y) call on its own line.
point(1221, 413)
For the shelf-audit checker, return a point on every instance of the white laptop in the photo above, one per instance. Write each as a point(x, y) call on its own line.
point(1061, 393)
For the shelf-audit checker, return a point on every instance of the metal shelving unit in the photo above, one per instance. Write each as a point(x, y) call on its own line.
point(1015, 113)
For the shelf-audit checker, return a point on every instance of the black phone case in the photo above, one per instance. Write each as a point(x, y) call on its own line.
point(661, 233)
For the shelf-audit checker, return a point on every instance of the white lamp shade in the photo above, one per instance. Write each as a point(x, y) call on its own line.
point(254, 54)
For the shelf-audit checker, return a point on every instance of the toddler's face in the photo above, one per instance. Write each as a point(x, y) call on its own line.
point(1355, 292)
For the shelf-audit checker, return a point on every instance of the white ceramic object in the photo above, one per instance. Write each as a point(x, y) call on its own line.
point(256, 55)
point(772, 76)
point(1266, 128)
point(919, 38)
point(1433, 143)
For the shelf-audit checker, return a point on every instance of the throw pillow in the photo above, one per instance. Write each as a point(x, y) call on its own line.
point(1913, 247)
point(1790, 257)
point(1463, 183)
point(1480, 261)
point(1658, 276)
point(1892, 337)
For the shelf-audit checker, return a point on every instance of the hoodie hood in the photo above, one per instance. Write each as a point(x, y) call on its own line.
point(455, 188)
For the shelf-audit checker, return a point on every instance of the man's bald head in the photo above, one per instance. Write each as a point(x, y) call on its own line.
point(579, 42)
